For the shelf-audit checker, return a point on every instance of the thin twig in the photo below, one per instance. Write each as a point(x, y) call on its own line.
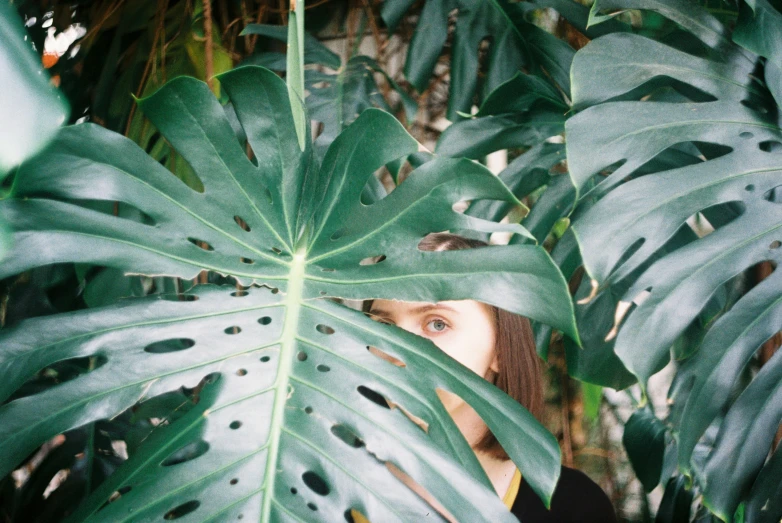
point(161, 13)
point(567, 443)
point(253, 39)
point(209, 58)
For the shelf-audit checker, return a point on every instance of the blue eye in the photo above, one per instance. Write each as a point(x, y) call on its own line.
point(438, 325)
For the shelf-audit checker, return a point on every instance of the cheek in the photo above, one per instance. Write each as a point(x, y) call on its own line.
point(473, 350)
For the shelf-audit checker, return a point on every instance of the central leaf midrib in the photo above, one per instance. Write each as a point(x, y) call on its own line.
point(292, 304)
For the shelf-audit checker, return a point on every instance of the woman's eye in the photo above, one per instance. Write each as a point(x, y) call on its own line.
point(438, 325)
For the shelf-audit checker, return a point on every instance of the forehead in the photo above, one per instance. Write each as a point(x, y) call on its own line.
point(396, 307)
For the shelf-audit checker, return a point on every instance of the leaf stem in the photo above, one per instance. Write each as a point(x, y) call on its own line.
point(293, 302)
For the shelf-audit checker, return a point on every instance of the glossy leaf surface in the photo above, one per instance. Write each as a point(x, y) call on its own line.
point(696, 151)
point(294, 394)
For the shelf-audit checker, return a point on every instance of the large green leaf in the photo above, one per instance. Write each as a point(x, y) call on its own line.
point(711, 104)
point(31, 109)
point(334, 99)
point(526, 113)
point(293, 369)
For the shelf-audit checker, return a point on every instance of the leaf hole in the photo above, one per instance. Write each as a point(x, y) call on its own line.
point(347, 436)
point(770, 146)
point(233, 330)
point(337, 234)
point(182, 510)
point(265, 320)
point(178, 297)
point(186, 453)
point(235, 424)
point(558, 168)
point(294, 491)
point(373, 396)
point(773, 195)
point(372, 260)
point(241, 223)
point(775, 244)
point(754, 105)
point(201, 244)
point(116, 495)
point(316, 483)
point(211, 378)
point(324, 329)
point(386, 356)
point(323, 368)
point(171, 345)
point(265, 359)
point(746, 135)
point(460, 206)
point(749, 188)
point(301, 356)
point(379, 399)
point(241, 372)
point(275, 250)
point(247, 261)
point(239, 294)
point(275, 290)
point(417, 488)
point(56, 374)
point(234, 481)
point(312, 506)
point(309, 410)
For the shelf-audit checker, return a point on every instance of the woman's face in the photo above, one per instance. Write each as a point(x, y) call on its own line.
point(462, 329)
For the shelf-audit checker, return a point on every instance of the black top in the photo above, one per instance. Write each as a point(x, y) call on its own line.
point(577, 499)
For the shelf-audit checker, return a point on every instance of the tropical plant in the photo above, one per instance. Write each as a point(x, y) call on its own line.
point(698, 147)
point(689, 129)
point(270, 401)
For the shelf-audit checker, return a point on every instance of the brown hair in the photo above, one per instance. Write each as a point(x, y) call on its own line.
point(520, 372)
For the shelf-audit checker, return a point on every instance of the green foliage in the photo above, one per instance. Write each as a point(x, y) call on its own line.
point(289, 374)
point(671, 186)
point(31, 109)
point(693, 134)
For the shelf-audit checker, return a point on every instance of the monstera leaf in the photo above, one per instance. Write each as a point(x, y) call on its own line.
point(298, 408)
point(527, 113)
point(708, 105)
point(31, 109)
point(333, 99)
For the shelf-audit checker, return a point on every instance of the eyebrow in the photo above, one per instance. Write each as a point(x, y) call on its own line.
point(417, 310)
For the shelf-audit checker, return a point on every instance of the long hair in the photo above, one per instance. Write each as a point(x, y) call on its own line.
point(520, 372)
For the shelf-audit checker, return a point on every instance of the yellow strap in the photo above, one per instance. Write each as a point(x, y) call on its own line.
point(358, 517)
point(513, 489)
point(508, 499)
